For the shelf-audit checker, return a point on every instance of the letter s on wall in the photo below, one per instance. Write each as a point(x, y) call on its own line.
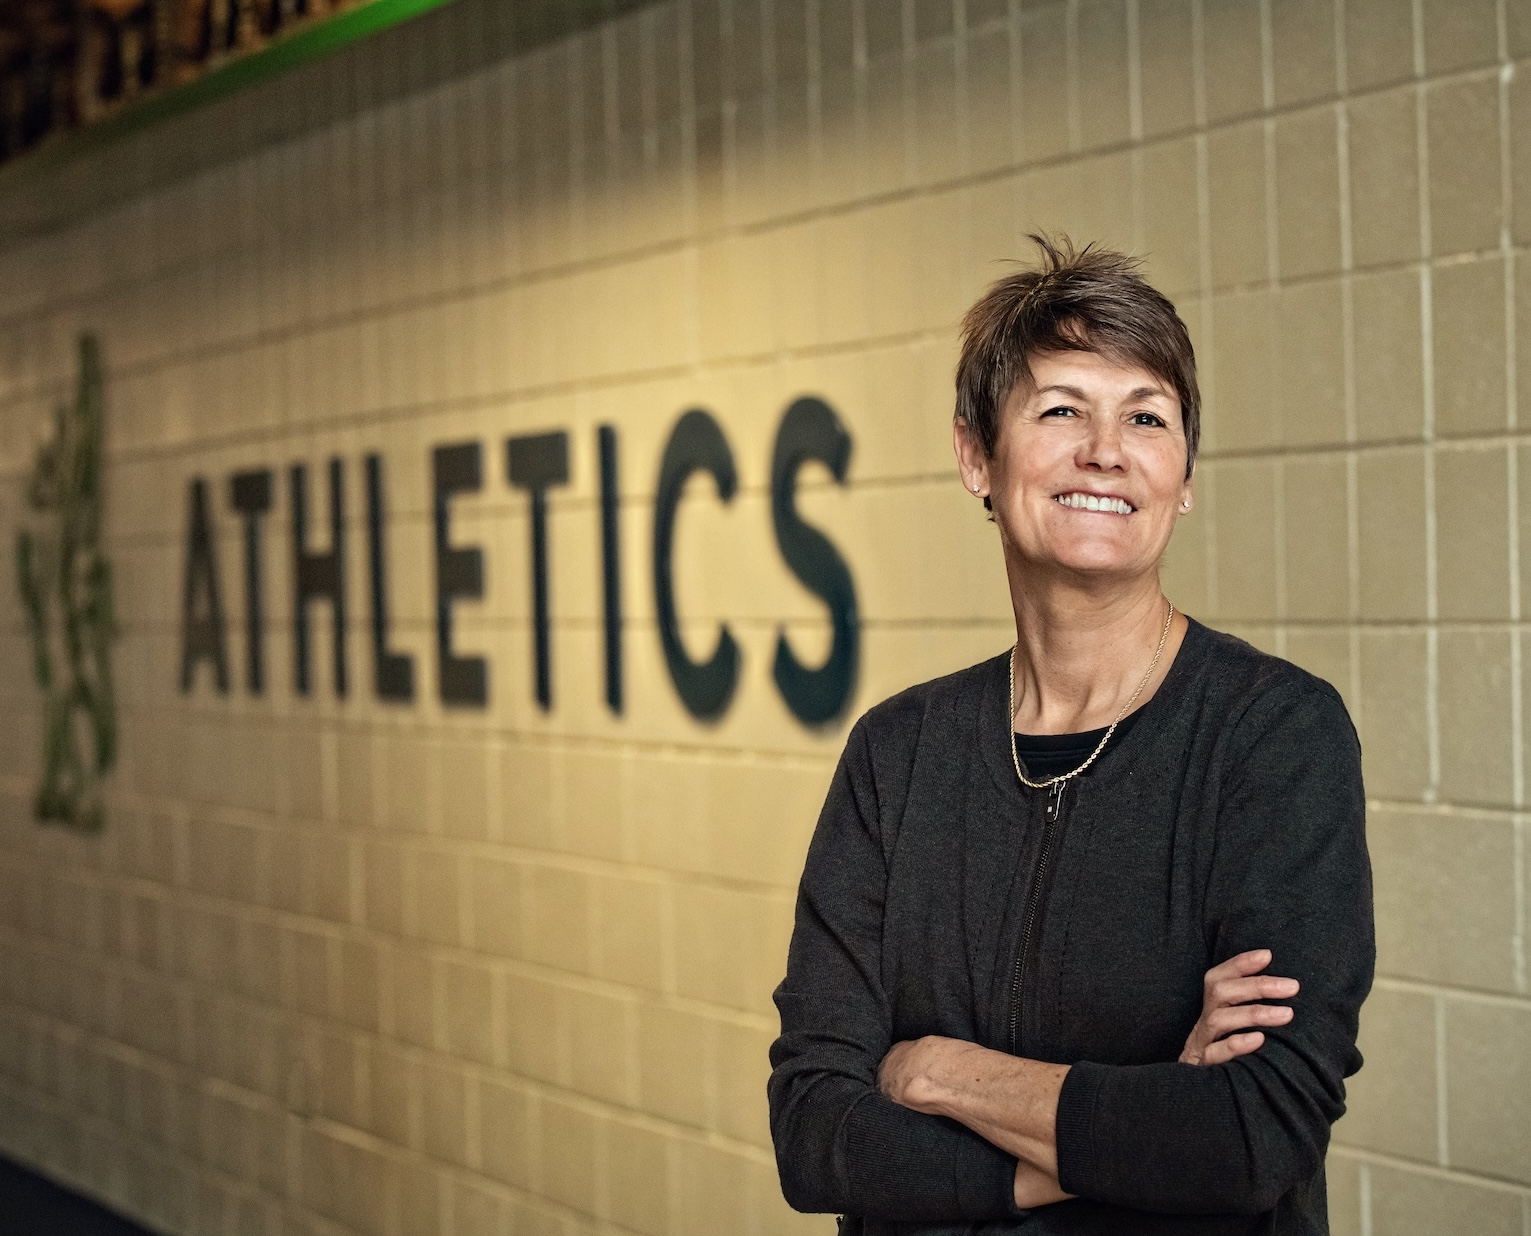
point(696, 443)
point(811, 430)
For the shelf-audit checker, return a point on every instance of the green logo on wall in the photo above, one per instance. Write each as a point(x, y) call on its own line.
point(66, 588)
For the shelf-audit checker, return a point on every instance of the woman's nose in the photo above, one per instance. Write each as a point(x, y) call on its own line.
point(1102, 448)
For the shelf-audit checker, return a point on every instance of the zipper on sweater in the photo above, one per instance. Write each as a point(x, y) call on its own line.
point(1051, 816)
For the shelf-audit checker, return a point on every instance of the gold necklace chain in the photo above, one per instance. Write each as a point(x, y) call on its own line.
point(1111, 729)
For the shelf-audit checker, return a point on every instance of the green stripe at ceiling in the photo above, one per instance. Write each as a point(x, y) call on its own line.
point(283, 53)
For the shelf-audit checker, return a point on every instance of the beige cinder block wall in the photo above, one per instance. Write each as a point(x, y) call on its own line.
point(344, 966)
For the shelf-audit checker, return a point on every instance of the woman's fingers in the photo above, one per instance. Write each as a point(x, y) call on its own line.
point(1230, 1010)
point(1220, 1022)
point(1227, 1033)
point(1239, 966)
point(1245, 990)
point(1232, 1047)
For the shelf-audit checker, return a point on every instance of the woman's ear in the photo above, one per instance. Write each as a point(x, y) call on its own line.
point(972, 462)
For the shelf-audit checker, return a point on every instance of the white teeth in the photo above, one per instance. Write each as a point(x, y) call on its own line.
point(1092, 502)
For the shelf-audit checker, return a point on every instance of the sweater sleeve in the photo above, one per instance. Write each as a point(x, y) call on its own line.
point(841, 1145)
point(1289, 873)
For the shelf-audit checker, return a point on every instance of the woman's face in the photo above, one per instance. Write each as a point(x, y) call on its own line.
point(1088, 475)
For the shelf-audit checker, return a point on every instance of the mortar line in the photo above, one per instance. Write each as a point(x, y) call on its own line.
point(815, 55)
point(1013, 38)
point(860, 89)
point(1268, 134)
point(1364, 1155)
point(1134, 72)
point(771, 86)
point(1278, 553)
point(1348, 362)
point(1518, 940)
point(1511, 380)
point(1071, 61)
point(1135, 123)
point(579, 191)
point(908, 97)
point(1417, 29)
point(361, 1077)
point(1517, 687)
point(648, 89)
point(1427, 330)
point(961, 87)
point(728, 116)
point(1341, 56)
point(1267, 59)
point(1204, 287)
point(1365, 1175)
point(1442, 1140)
point(690, 180)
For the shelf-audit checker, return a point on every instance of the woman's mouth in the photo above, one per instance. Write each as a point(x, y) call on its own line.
point(1095, 502)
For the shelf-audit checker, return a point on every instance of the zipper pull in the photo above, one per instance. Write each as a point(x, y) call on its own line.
point(1055, 800)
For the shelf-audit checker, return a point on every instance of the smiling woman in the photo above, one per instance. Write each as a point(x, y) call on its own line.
point(1027, 984)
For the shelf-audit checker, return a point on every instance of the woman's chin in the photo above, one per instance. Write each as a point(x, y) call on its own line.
point(1095, 560)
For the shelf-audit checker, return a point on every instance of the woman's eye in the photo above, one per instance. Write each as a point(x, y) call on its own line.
point(1147, 418)
point(1061, 410)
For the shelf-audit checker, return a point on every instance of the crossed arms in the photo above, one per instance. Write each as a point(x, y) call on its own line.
point(1012, 1103)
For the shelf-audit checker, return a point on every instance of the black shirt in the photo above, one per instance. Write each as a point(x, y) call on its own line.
point(1052, 755)
point(942, 897)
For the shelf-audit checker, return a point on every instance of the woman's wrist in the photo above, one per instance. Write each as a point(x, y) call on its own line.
point(1009, 1101)
point(1035, 1187)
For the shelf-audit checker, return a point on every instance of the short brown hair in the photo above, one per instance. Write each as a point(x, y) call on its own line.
point(1076, 300)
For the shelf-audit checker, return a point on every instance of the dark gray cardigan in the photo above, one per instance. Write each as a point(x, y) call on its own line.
point(1231, 817)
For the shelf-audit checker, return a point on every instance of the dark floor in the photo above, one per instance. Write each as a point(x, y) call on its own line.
point(32, 1206)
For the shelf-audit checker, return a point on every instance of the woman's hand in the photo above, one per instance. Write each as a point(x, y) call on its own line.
point(912, 1072)
point(1006, 1100)
point(1226, 1007)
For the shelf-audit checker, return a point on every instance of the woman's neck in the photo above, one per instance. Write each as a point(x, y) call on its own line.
point(1082, 652)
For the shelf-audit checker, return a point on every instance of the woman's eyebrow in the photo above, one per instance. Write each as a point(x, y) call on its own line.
point(1073, 392)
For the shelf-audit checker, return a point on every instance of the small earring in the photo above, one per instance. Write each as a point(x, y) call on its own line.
point(1185, 506)
point(975, 489)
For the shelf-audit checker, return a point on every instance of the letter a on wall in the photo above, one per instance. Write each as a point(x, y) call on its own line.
point(202, 627)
